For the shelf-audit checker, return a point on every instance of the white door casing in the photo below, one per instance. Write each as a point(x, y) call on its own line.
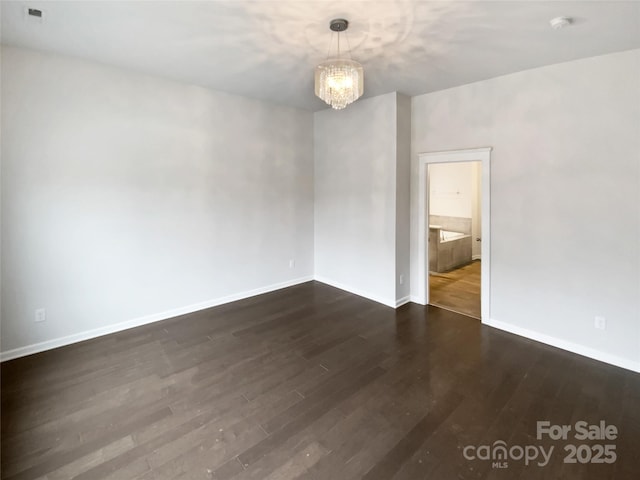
point(482, 155)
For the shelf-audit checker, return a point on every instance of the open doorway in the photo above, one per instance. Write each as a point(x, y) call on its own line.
point(455, 235)
point(483, 156)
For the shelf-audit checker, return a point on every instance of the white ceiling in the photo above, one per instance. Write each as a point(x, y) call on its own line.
point(268, 49)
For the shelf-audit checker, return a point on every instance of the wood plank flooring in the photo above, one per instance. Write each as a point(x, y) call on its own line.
point(308, 382)
point(457, 290)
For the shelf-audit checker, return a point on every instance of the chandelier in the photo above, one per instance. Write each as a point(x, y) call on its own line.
point(339, 81)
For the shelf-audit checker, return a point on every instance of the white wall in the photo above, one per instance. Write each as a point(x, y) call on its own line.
point(125, 196)
point(565, 196)
point(450, 186)
point(356, 158)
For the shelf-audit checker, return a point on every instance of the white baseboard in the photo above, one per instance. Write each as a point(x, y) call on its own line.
point(137, 322)
point(565, 345)
point(402, 301)
point(356, 291)
point(476, 257)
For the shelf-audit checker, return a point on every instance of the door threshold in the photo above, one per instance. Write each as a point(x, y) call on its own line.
point(449, 309)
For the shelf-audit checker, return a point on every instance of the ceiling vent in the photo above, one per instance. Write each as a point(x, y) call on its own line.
point(33, 15)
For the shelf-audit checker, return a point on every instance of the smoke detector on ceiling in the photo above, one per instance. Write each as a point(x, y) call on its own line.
point(560, 22)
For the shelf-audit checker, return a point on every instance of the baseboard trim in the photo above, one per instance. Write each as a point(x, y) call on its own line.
point(403, 301)
point(476, 257)
point(147, 319)
point(565, 345)
point(356, 291)
point(137, 322)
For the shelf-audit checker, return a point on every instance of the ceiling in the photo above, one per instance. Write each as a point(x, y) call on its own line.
point(268, 49)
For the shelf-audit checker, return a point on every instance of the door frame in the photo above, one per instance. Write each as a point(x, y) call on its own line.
point(482, 155)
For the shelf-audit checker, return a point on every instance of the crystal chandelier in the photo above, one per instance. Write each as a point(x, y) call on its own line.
point(339, 81)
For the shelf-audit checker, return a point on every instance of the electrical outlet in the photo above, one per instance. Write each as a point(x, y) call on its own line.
point(401, 279)
point(40, 315)
point(600, 323)
point(292, 263)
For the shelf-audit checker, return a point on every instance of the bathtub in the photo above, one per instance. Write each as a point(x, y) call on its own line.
point(447, 236)
point(448, 249)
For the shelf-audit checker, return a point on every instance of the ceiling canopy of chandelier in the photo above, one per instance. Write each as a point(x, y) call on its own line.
point(339, 81)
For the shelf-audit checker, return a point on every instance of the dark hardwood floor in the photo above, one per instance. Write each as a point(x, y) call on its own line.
point(307, 383)
point(457, 290)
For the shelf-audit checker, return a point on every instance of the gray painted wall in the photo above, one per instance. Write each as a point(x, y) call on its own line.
point(565, 190)
point(355, 197)
point(125, 196)
point(403, 198)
